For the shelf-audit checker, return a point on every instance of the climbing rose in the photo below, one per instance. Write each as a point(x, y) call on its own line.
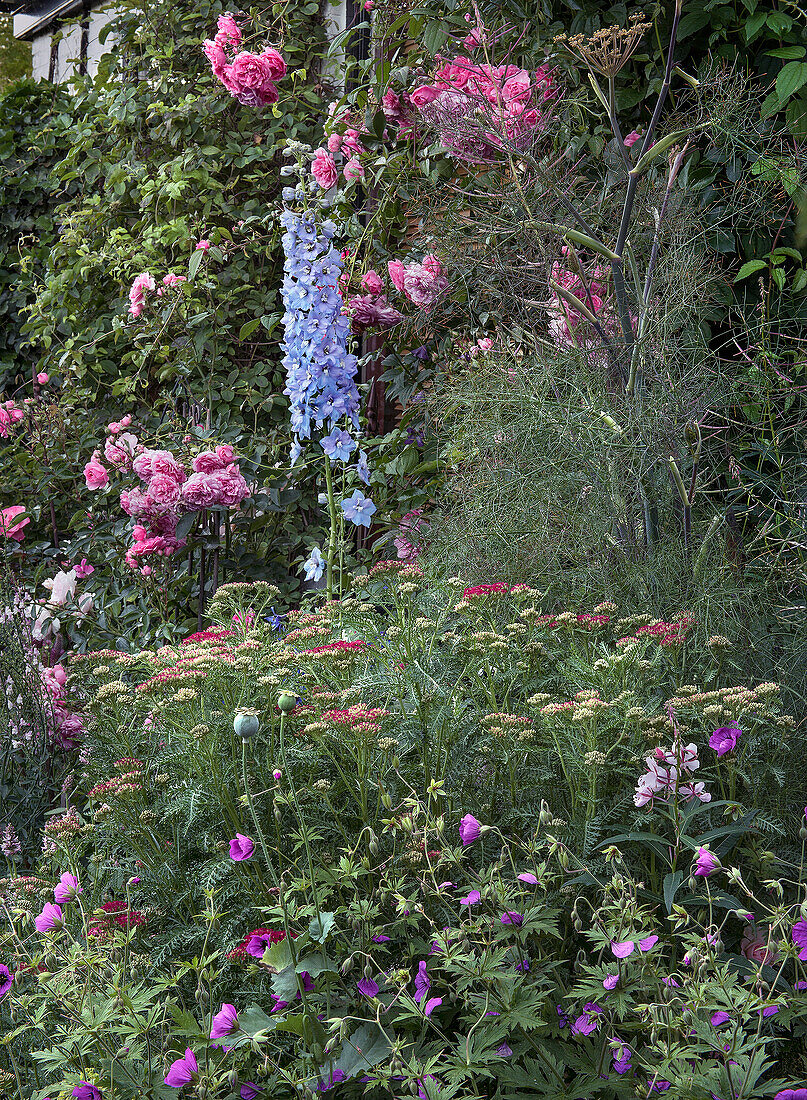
point(10, 526)
point(95, 474)
point(324, 169)
point(137, 294)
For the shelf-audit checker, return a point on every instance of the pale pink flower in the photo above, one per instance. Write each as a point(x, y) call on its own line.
point(371, 282)
point(335, 143)
point(199, 491)
point(137, 294)
point(164, 489)
point(324, 169)
point(208, 462)
point(351, 142)
point(120, 450)
point(202, 246)
point(756, 949)
point(95, 474)
point(397, 271)
point(353, 170)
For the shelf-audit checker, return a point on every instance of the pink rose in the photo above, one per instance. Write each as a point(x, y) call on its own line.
point(217, 58)
point(225, 453)
point(95, 475)
point(423, 286)
point(172, 280)
point(250, 71)
point(43, 378)
point(230, 486)
point(335, 143)
point(199, 491)
point(391, 105)
point(134, 502)
point(432, 264)
point(517, 87)
point(351, 142)
point(371, 282)
point(424, 95)
point(10, 524)
point(456, 73)
point(353, 170)
point(164, 489)
point(120, 450)
point(208, 462)
point(137, 294)
point(274, 63)
point(202, 246)
point(163, 462)
point(632, 138)
point(324, 169)
point(397, 271)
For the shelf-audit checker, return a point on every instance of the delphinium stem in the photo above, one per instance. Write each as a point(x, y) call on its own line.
point(332, 534)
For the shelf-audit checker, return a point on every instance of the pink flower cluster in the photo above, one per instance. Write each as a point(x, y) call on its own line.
point(167, 490)
point(670, 772)
point(476, 109)
point(250, 78)
point(407, 529)
point(144, 285)
point(422, 283)
point(10, 414)
point(371, 309)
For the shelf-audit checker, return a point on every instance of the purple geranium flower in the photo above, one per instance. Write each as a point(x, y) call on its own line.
point(431, 1004)
point(367, 987)
point(249, 1090)
point(511, 917)
point(422, 982)
point(610, 982)
point(647, 943)
point(622, 1059)
point(563, 1019)
point(382, 939)
point(241, 847)
point(50, 919)
point(624, 949)
point(791, 1094)
point(528, 877)
point(718, 1018)
point(224, 1022)
point(504, 1051)
point(706, 863)
point(6, 979)
point(258, 943)
point(67, 889)
point(799, 935)
point(473, 897)
point(725, 739)
point(587, 1022)
point(85, 1091)
point(182, 1071)
point(470, 830)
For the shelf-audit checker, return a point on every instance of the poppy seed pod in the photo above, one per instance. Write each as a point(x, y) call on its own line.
point(246, 725)
point(286, 703)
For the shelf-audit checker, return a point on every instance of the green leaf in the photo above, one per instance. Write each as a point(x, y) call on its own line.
point(749, 268)
point(671, 884)
point(248, 328)
point(193, 263)
point(316, 964)
point(320, 927)
point(278, 956)
point(792, 77)
point(365, 1048)
point(252, 1019)
point(692, 23)
point(787, 53)
point(285, 984)
point(185, 524)
point(770, 105)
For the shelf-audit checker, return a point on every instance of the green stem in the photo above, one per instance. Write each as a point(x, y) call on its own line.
point(332, 535)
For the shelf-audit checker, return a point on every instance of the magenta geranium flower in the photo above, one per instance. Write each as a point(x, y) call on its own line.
point(706, 863)
point(588, 1021)
point(799, 935)
point(422, 982)
point(624, 949)
point(224, 1022)
point(473, 897)
point(791, 1094)
point(50, 919)
point(182, 1071)
point(611, 981)
point(431, 1004)
point(511, 917)
point(85, 1091)
point(725, 739)
point(249, 1090)
point(528, 877)
point(470, 830)
point(647, 943)
point(67, 889)
point(718, 1018)
point(6, 979)
point(367, 987)
point(241, 847)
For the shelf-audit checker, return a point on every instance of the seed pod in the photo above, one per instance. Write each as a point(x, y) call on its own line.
point(286, 703)
point(246, 726)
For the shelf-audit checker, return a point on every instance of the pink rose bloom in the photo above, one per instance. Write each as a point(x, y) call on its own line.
point(432, 264)
point(371, 282)
point(335, 143)
point(517, 88)
point(84, 569)
point(230, 486)
point(351, 142)
point(485, 344)
point(229, 33)
point(274, 62)
point(164, 489)
point(422, 286)
point(208, 462)
point(324, 169)
point(134, 502)
point(173, 280)
point(226, 454)
point(149, 463)
point(43, 378)
point(202, 246)
point(755, 948)
point(632, 138)
point(353, 170)
point(10, 526)
point(217, 58)
point(249, 79)
point(391, 105)
point(424, 95)
point(120, 451)
point(137, 294)
point(456, 73)
point(95, 475)
point(397, 271)
point(199, 491)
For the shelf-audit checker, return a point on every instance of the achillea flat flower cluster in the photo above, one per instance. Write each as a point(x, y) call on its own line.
point(357, 718)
